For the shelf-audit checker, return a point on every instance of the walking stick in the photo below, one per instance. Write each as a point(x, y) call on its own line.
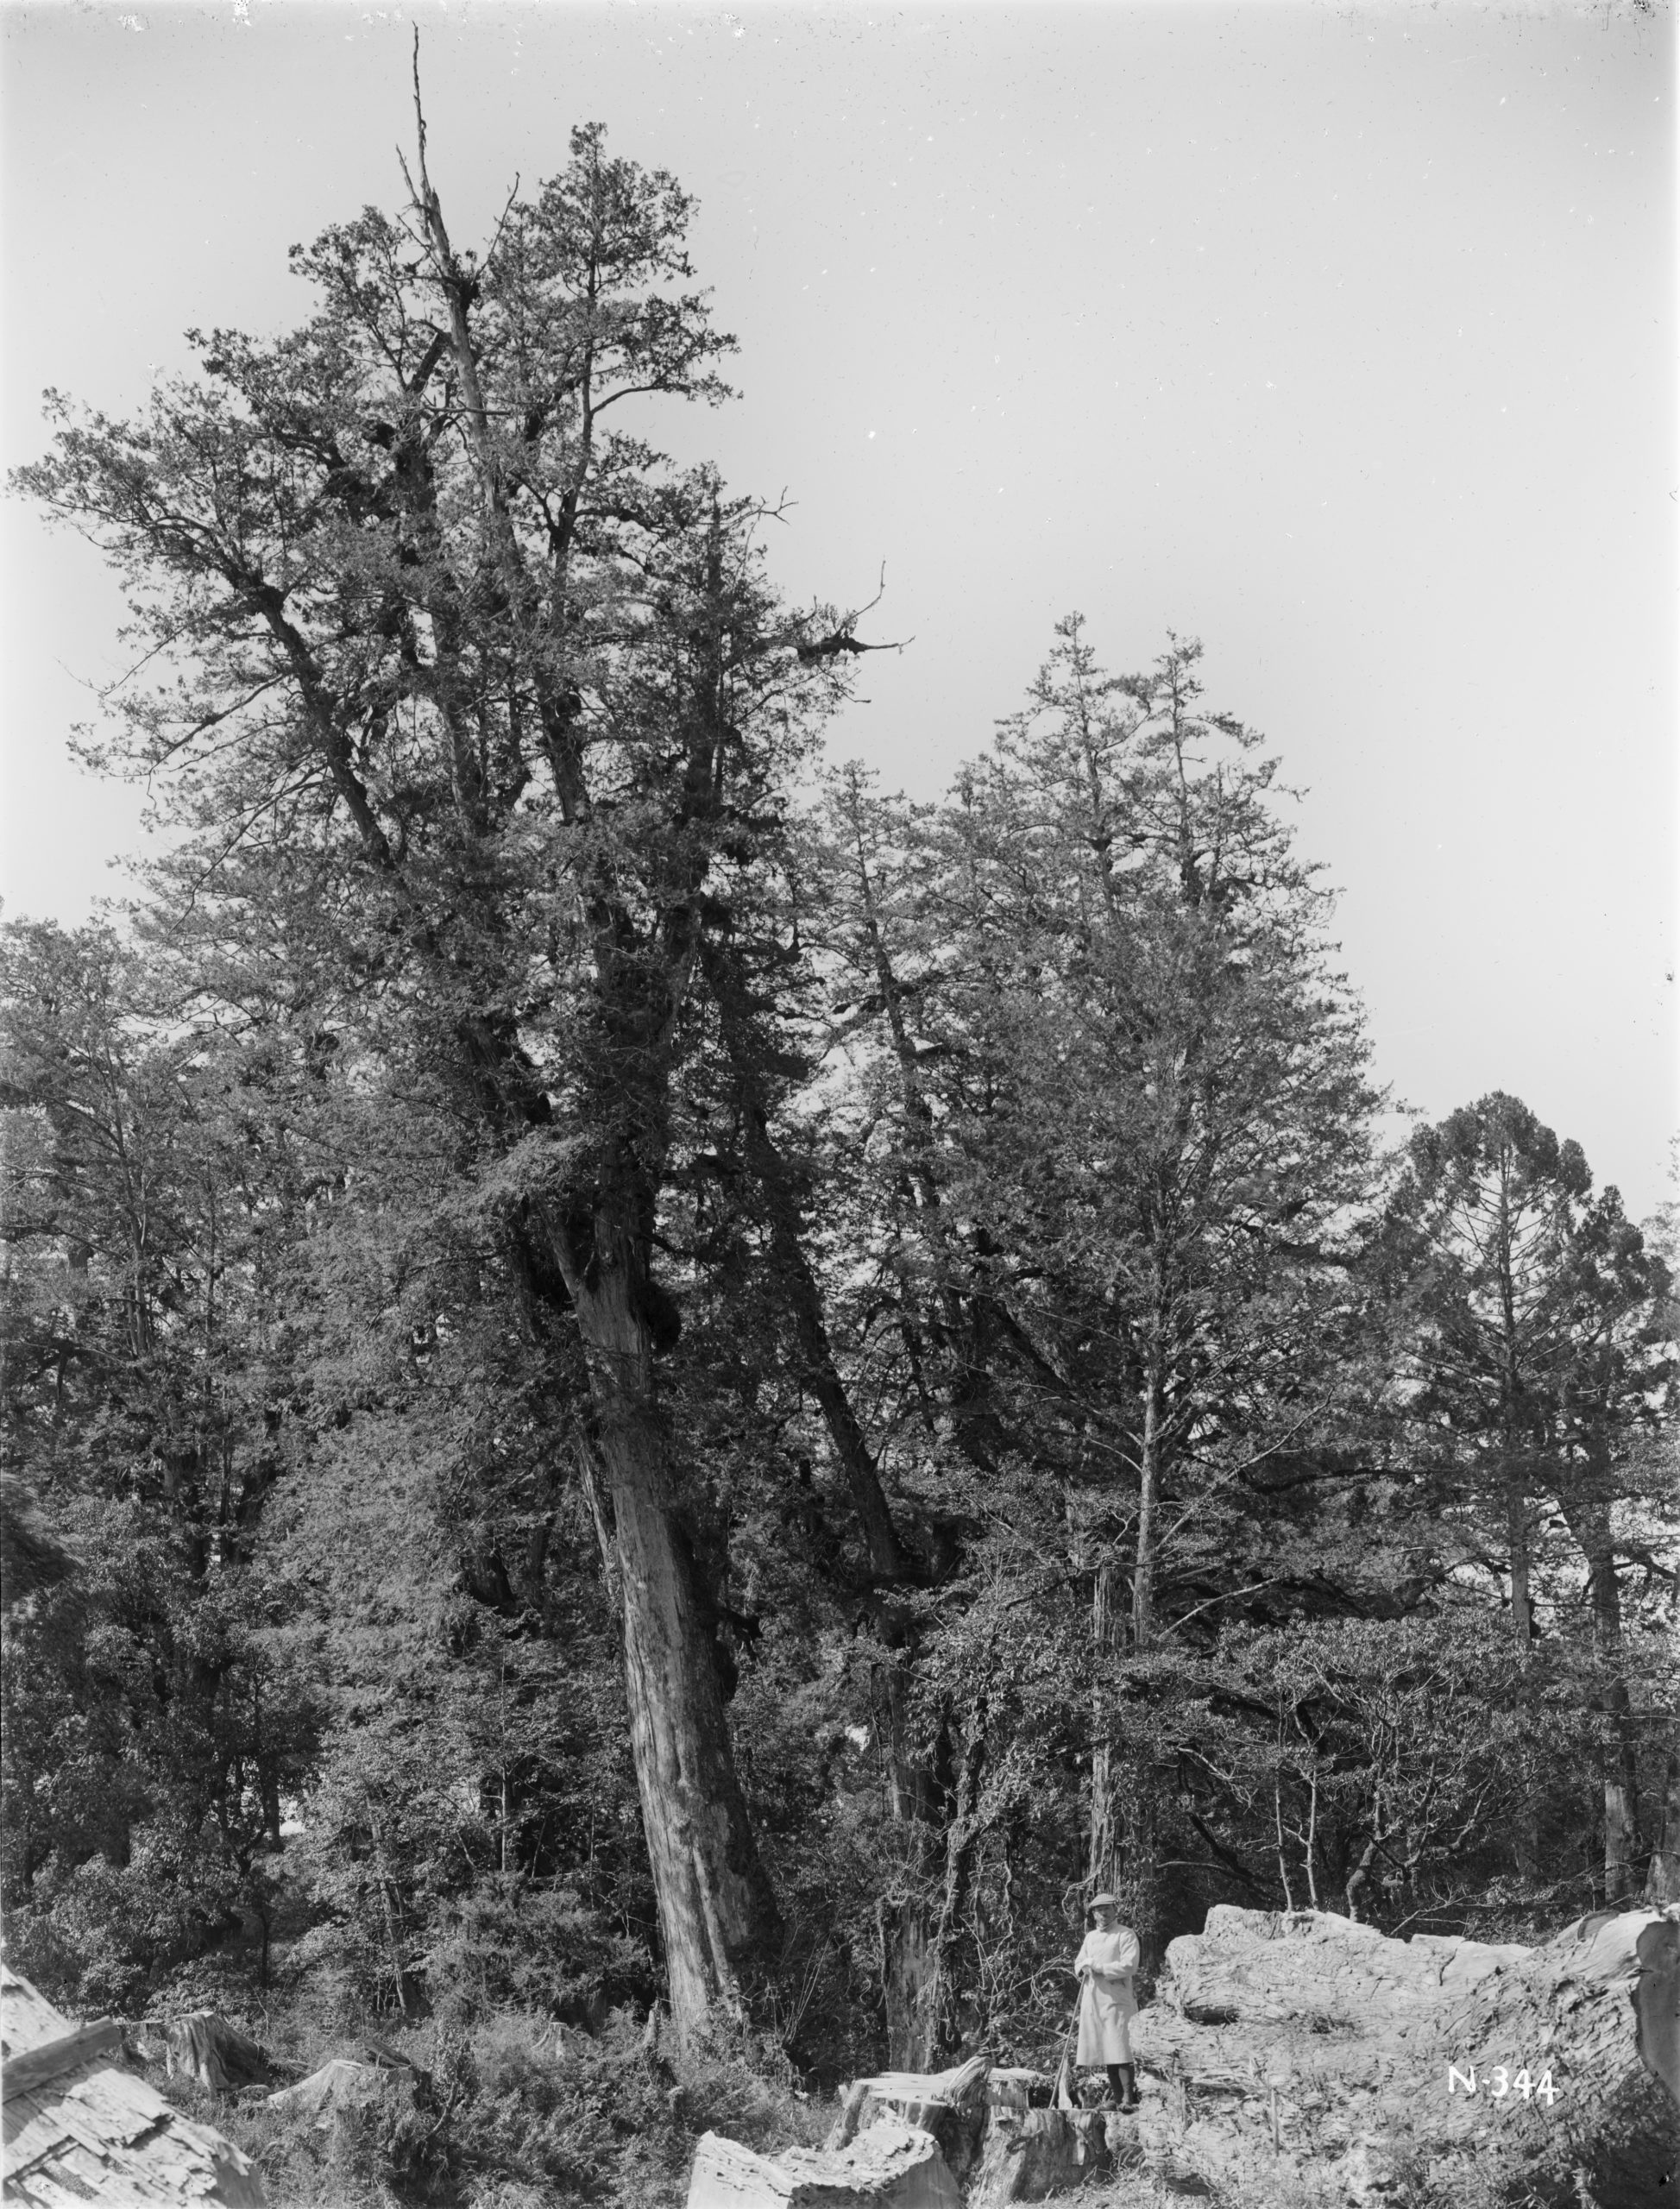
point(1063, 2095)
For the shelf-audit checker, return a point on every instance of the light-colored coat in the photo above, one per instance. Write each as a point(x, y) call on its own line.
point(1105, 1963)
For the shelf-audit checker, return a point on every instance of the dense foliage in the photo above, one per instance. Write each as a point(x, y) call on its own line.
point(634, 1374)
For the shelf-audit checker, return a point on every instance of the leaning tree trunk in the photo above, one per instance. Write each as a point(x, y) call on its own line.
point(888, 1559)
point(717, 1910)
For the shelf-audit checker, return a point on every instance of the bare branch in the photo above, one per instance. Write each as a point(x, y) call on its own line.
point(502, 223)
point(844, 638)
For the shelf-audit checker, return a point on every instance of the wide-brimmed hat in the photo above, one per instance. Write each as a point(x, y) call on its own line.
point(1097, 1902)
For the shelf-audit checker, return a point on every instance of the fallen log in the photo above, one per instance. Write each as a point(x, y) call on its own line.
point(891, 2166)
point(79, 2128)
point(1532, 2068)
point(68, 2052)
point(1656, 2001)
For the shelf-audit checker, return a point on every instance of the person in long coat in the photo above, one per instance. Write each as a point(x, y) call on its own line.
point(1107, 2004)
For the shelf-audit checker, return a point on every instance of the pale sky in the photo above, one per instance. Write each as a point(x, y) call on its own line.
point(1341, 336)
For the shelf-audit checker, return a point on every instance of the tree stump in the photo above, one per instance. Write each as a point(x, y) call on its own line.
point(891, 2166)
point(1013, 2088)
point(204, 2046)
point(949, 2104)
point(343, 2085)
point(1034, 2154)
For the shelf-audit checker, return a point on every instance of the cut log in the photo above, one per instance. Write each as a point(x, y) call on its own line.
point(1656, 2001)
point(907, 2095)
point(891, 2166)
point(1531, 2068)
point(84, 2130)
point(68, 2053)
point(949, 2104)
point(205, 2046)
point(1016, 2089)
point(1033, 2154)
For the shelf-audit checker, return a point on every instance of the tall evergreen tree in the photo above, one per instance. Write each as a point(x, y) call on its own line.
point(1542, 1358)
point(522, 689)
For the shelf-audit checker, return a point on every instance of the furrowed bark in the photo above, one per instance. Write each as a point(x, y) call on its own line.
point(909, 1981)
point(921, 1930)
point(717, 1912)
point(498, 610)
point(962, 1847)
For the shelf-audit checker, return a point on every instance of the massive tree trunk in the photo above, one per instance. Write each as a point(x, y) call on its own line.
point(906, 1919)
point(717, 1912)
point(909, 1981)
point(921, 1931)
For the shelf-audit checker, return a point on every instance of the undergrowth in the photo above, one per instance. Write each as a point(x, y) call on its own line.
point(514, 2112)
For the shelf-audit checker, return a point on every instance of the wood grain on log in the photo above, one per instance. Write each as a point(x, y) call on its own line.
point(34, 2066)
point(1370, 2045)
point(1033, 2154)
point(950, 2105)
point(1012, 2087)
point(204, 2046)
point(892, 2167)
point(1656, 2002)
point(345, 2084)
point(79, 2129)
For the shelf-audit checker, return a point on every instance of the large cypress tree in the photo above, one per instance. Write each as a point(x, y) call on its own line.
point(510, 691)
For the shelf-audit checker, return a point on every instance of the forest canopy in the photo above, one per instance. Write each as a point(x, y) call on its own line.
point(638, 1374)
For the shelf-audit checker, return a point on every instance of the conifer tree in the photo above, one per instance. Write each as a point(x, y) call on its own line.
point(429, 615)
